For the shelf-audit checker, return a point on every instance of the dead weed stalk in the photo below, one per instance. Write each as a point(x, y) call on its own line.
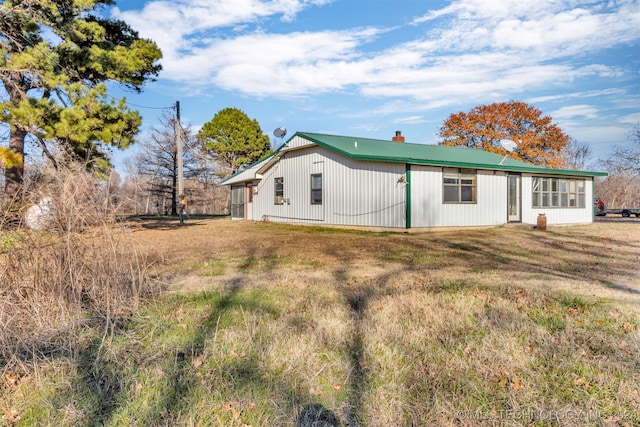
point(79, 270)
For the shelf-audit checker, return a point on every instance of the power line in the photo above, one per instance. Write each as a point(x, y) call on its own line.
point(151, 108)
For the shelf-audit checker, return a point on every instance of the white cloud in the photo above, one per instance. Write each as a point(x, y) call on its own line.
point(576, 111)
point(601, 138)
point(632, 119)
point(472, 51)
point(573, 95)
point(177, 26)
point(547, 29)
point(261, 64)
point(189, 16)
point(411, 120)
point(470, 10)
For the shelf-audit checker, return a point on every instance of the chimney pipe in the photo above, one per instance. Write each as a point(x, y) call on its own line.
point(398, 137)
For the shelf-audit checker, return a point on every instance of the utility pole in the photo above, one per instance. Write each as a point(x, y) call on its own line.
point(181, 197)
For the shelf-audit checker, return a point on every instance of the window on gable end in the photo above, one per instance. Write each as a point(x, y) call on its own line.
point(278, 191)
point(316, 189)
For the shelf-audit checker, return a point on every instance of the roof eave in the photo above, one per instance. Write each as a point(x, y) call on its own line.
point(253, 165)
point(466, 165)
point(391, 159)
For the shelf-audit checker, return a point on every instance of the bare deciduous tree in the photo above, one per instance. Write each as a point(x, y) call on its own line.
point(151, 183)
point(621, 189)
point(576, 155)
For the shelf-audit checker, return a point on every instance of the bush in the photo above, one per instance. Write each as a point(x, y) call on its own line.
point(84, 270)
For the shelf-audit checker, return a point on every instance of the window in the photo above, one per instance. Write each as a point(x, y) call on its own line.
point(278, 191)
point(459, 185)
point(558, 193)
point(316, 189)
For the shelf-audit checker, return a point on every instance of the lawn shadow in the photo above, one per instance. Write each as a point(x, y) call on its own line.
point(166, 224)
point(104, 380)
point(358, 294)
point(547, 253)
point(110, 396)
point(316, 415)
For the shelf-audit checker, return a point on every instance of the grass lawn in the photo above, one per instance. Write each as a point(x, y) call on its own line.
point(277, 325)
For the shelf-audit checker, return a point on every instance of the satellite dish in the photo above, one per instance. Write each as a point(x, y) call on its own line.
point(280, 132)
point(508, 145)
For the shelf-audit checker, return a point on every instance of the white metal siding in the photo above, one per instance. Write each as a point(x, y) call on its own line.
point(298, 142)
point(372, 194)
point(365, 193)
point(428, 209)
point(354, 193)
point(556, 215)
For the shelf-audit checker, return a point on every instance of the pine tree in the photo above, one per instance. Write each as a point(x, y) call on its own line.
point(56, 57)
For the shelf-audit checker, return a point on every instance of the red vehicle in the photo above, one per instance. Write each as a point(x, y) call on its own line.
point(599, 208)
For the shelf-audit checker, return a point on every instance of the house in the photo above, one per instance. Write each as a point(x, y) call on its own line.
point(341, 180)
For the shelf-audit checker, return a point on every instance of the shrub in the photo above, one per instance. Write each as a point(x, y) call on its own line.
point(84, 270)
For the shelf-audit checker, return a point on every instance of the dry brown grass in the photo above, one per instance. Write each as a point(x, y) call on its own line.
point(279, 325)
point(55, 283)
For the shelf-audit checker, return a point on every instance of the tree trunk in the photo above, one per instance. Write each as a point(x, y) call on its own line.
point(17, 89)
point(146, 211)
point(14, 176)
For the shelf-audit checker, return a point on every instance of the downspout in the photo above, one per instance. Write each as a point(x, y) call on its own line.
point(593, 195)
point(407, 196)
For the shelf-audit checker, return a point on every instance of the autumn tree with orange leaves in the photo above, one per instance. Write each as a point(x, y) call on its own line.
point(540, 141)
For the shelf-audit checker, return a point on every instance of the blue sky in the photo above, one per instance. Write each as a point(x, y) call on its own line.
point(370, 67)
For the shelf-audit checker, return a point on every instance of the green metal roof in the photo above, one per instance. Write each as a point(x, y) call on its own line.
point(379, 150)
